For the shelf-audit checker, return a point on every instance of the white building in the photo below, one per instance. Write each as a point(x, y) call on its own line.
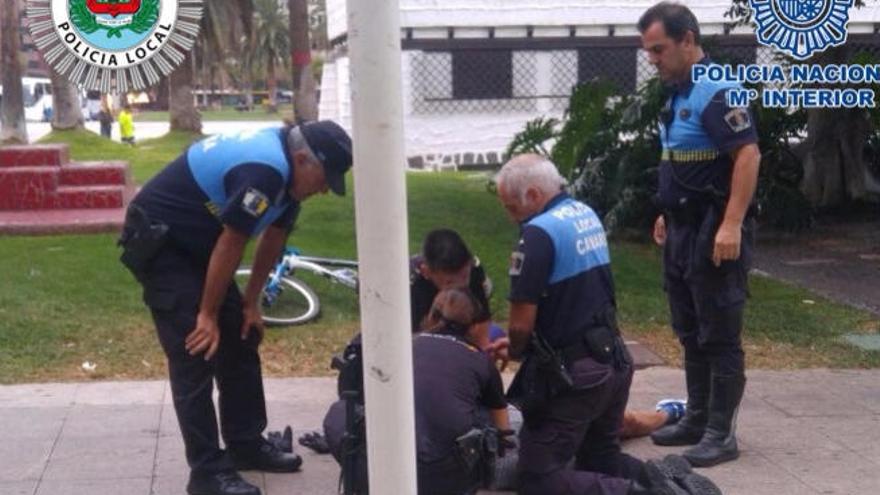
point(475, 71)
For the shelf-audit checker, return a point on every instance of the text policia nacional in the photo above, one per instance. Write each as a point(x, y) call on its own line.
point(781, 94)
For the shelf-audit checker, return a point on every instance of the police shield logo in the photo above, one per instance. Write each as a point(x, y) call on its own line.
point(516, 263)
point(114, 46)
point(801, 28)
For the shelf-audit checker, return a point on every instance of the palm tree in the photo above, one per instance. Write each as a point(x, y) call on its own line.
point(305, 103)
point(12, 124)
point(66, 108)
point(223, 23)
point(271, 43)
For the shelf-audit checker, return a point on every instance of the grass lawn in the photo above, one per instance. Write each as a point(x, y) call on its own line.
point(66, 300)
point(226, 114)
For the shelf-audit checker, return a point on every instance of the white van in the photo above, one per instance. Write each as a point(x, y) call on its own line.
point(37, 98)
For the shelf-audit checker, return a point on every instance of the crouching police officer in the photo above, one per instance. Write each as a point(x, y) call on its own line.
point(574, 383)
point(460, 409)
point(183, 239)
point(708, 173)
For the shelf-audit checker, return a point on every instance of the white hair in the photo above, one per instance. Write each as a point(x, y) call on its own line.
point(531, 170)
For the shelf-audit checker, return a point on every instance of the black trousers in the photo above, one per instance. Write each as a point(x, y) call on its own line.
point(583, 426)
point(707, 302)
point(446, 476)
point(172, 290)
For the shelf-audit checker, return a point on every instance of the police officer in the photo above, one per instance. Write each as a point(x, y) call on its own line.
point(562, 291)
point(458, 393)
point(708, 173)
point(184, 237)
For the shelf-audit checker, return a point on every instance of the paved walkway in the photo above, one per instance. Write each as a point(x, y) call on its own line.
point(802, 432)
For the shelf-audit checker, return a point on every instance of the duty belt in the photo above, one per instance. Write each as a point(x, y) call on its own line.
point(688, 156)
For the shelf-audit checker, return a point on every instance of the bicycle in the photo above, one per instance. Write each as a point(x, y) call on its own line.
point(286, 299)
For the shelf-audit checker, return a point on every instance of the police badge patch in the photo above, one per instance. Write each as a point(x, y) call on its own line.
point(254, 202)
point(516, 263)
point(114, 46)
point(738, 119)
point(801, 28)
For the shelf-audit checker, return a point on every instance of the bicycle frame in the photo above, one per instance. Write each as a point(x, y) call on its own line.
point(345, 272)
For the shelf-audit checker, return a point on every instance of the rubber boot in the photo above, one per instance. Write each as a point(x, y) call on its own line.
point(719, 442)
point(690, 429)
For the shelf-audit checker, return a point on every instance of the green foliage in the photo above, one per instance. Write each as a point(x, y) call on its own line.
point(607, 146)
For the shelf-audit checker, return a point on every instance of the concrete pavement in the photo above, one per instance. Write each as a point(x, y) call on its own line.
point(801, 432)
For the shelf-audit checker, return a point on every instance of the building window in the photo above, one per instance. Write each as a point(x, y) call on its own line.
point(613, 64)
point(482, 74)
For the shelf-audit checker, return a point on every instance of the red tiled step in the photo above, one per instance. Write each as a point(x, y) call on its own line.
point(70, 197)
point(34, 155)
point(24, 188)
point(95, 173)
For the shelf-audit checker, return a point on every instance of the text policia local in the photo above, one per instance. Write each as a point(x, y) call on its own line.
point(781, 94)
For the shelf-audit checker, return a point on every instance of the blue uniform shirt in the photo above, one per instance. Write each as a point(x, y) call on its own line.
point(698, 131)
point(562, 264)
point(241, 180)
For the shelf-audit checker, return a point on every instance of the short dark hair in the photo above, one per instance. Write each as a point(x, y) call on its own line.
point(444, 250)
point(676, 18)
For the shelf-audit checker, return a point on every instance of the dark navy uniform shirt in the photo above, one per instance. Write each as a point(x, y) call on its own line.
point(454, 385)
point(422, 291)
point(698, 130)
point(241, 180)
point(562, 264)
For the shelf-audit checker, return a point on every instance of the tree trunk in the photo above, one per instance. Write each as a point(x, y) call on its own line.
point(834, 168)
point(66, 109)
point(12, 124)
point(305, 102)
point(183, 113)
point(271, 83)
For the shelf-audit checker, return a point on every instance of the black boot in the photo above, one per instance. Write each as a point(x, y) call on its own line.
point(222, 483)
point(719, 443)
point(689, 430)
point(262, 455)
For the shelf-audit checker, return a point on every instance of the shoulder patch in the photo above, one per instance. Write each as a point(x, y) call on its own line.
point(255, 203)
point(516, 263)
point(738, 119)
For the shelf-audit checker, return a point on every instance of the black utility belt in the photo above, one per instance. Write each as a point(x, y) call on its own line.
point(599, 343)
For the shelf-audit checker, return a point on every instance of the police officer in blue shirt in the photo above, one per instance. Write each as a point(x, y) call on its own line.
point(708, 174)
point(184, 237)
point(574, 383)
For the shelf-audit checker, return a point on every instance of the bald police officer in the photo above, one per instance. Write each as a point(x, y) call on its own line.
point(708, 174)
point(184, 236)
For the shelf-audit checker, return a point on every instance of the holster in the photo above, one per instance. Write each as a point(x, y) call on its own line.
point(476, 451)
point(141, 239)
point(542, 376)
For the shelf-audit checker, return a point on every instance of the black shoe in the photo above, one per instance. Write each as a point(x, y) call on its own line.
point(315, 441)
point(222, 483)
point(719, 442)
point(264, 456)
point(690, 429)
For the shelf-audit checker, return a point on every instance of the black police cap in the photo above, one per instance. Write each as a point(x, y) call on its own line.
point(332, 146)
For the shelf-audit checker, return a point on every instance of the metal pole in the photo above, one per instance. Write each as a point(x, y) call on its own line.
point(380, 194)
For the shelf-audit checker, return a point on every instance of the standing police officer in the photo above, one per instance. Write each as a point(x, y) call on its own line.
point(708, 174)
point(184, 236)
point(562, 312)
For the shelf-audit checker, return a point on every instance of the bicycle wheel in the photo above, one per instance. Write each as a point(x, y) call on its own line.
point(294, 302)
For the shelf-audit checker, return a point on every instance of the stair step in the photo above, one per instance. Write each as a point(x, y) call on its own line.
point(95, 173)
point(34, 155)
point(23, 188)
point(70, 197)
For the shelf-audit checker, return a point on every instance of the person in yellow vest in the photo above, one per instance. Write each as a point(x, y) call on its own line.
point(126, 124)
